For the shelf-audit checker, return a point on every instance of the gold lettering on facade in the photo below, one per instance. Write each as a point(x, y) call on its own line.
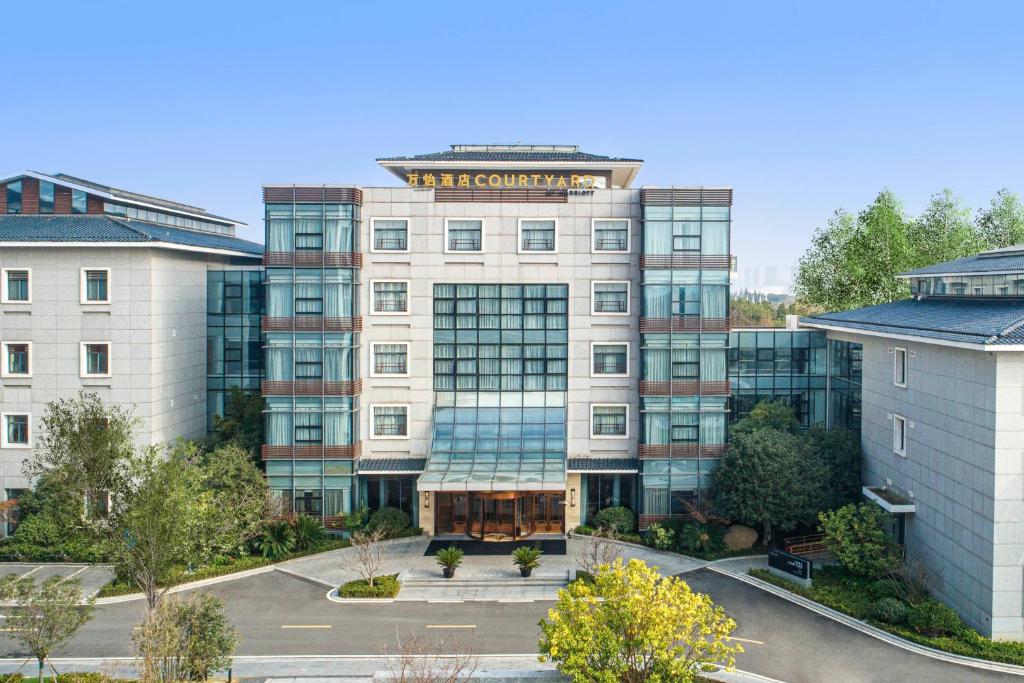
point(524, 181)
point(429, 180)
point(494, 180)
point(510, 180)
point(478, 180)
point(447, 180)
point(463, 180)
point(574, 180)
point(413, 179)
point(502, 181)
point(561, 181)
point(550, 180)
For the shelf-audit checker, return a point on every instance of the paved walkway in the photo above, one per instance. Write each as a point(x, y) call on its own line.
point(91, 577)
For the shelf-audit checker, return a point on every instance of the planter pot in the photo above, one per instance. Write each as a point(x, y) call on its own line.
point(525, 571)
point(448, 572)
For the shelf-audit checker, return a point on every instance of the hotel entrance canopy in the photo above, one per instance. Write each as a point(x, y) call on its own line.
point(508, 448)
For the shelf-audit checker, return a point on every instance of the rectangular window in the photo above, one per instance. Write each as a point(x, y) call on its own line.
point(899, 367)
point(611, 298)
point(390, 422)
point(609, 421)
point(95, 359)
point(17, 432)
point(538, 235)
point(308, 428)
point(95, 285)
point(391, 359)
point(17, 359)
point(79, 201)
point(14, 197)
point(46, 196)
point(685, 428)
point(464, 235)
point(309, 235)
point(611, 236)
point(16, 287)
point(309, 362)
point(899, 435)
point(390, 234)
point(610, 359)
point(391, 296)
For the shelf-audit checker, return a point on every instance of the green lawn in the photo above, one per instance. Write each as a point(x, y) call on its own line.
point(835, 588)
point(180, 574)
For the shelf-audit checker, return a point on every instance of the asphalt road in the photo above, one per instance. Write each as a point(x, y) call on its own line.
point(282, 615)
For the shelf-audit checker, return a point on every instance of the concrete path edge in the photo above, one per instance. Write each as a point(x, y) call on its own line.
point(868, 629)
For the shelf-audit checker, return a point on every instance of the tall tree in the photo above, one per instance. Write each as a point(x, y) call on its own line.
point(185, 640)
point(84, 446)
point(43, 617)
point(1002, 223)
point(242, 422)
point(943, 232)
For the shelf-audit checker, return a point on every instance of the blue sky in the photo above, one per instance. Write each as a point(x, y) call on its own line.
point(803, 108)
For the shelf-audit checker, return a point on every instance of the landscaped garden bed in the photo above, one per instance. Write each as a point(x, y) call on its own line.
point(386, 586)
point(860, 596)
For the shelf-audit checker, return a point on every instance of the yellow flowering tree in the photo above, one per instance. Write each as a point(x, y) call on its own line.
point(634, 625)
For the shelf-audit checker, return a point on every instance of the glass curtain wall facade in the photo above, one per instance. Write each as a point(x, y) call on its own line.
point(779, 365)
point(684, 325)
point(311, 329)
point(234, 303)
point(845, 373)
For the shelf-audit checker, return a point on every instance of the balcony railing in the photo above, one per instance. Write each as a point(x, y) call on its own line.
point(684, 323)
point(337, 259)
point(310, 452)
point(397, 368)
point(687, 261)
point(538, 245)
point(683, 388)
point(610, 429)
point(390, 243)
point(307, 387)
point(392, 304)
point(395, 429)
point(610, 244)
point(681, 450)
point(610, 367)
point(311, 323)
point(464, 245)
point(610, 306)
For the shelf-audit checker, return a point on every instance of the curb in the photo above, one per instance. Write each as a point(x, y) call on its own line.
point(332, 595)
point(870, 630)
point(115, 599)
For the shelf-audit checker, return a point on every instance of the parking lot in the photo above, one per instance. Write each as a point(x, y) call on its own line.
point(91, 577)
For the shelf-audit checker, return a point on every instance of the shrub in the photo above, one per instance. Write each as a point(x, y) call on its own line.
point(308, 532)
point(526, 557)
point(885, 588)
point(620, 519)
point(383, 587)
point(931, 617)
point(450, 557)
point(277, 540)
point(855, 535)
point(889, 611)
point(661, 538)
point(702, 537)
point(40, 530)
point(11, 678)
point(392, 520)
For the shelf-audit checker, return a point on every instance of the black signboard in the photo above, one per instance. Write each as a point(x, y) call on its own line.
point(789, 563)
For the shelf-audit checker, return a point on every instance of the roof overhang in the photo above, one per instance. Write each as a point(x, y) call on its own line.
point(141, 244)
point(839, 327)
point(622, 172)
point(198, 215)
point(888, 500)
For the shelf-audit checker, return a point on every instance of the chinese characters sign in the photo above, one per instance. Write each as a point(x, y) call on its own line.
point(502, 181)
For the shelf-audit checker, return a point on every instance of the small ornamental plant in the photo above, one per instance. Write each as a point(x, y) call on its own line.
point(527, 558)
point(449, 558)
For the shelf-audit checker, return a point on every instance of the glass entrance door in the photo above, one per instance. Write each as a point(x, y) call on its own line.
point(500, 516)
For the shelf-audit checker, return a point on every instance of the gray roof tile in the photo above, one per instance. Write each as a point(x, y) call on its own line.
point(602, 465)
point(525, 156)
point(410, 465)
point(980, 263)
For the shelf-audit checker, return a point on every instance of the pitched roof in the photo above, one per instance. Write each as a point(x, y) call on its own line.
point(997, 322)
point(101, 228)
point(410, 465)
point(524, 153)
point(1006, 260)
point(602, 465)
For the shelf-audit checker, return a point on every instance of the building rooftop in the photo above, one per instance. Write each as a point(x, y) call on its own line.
point(529, 153)
point(1005, 260)
point(974, 322)
point(44, 228)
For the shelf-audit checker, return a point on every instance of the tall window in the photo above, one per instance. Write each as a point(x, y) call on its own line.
point(46, 196)
point(464, 235)
point(390, 422)
point(16, 432)
point(899, 435)
point(17, 359)
point(309, 428)
point(79, 201)
point(611, 298)
point(611, 235)
point(391, 296)
point(685, 428)
point(610, 359)
point(95, 359)
point(309, 362)
point(608, 421)
point(899, 369)
point(391, 359)
point(309, 235)
point(390, 234)
point(16, 286)
point(95, 285)
point(14, 197)
point(537, 235)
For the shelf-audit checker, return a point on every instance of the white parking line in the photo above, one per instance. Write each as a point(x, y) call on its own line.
point(34, 569)
point(76, 573)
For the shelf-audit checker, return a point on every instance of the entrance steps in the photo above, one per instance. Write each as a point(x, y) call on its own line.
point(479, 586)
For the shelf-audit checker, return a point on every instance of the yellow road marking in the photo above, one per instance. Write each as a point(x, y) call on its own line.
point(306, 626)
point(451, 625)
point(747, 640)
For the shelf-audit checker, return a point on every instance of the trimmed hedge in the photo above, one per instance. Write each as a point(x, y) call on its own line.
point(383, 587)
point(889, 611)
point(620, 519)
point(836, 588)
point(180, 574)
point(933, 618)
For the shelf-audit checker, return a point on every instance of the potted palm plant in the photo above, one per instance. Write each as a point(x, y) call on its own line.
point(449, 558)
point(527, 558)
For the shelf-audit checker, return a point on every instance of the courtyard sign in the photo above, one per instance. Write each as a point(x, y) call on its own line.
point(790, 564)
point(502, 181)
